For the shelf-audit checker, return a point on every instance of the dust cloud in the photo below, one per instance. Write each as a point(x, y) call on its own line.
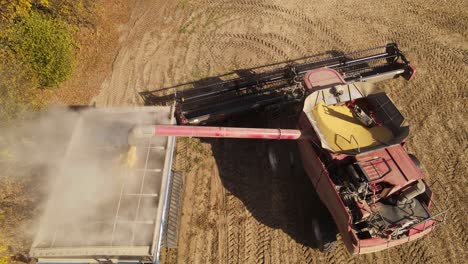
point(92, 191)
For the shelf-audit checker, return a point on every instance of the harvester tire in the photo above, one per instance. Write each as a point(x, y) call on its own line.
point(329, 246)
point(415, 160)
point(324, 241)
point(273, 158)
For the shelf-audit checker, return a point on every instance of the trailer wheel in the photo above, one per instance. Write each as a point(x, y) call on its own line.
point(323, 243)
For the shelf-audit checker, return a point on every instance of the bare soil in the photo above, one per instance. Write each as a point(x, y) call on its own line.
point(236, 209)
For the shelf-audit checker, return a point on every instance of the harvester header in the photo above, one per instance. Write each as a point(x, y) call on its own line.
point(276, 85)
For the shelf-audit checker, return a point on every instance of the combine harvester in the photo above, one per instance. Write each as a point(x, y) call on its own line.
point(350, 136)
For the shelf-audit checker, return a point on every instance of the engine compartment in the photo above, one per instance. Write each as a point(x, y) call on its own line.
point(379, 208)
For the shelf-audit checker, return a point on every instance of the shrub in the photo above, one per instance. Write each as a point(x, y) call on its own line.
point(11, 9)
point(17, 84)
point(47, 45)
point(75, 12)
point(17, 9)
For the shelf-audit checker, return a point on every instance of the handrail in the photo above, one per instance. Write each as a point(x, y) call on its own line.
point(440, 214)
point(357, 143)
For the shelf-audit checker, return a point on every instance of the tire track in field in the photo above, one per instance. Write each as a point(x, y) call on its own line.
point(255, 198)
point(340, 255)
point(234, 230)
point(417, 251)
point(318, 24)
point(258, 9)
point(425, 46)
point(258, 40)
point(437, 17)
point(420, 39)
point(249, 47)
point(447, 169)
point(199, 223)
point(234, 209)
point(223, 237)
point(191, 248)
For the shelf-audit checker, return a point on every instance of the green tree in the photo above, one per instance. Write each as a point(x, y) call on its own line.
point(47, 45)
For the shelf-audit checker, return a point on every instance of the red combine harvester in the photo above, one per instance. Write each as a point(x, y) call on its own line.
point(351, 138)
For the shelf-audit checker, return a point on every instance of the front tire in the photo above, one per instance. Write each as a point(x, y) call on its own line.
point(273, 158)
point(415, 160)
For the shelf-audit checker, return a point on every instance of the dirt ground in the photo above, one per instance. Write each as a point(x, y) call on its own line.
point(97, 48)
point(235, 208)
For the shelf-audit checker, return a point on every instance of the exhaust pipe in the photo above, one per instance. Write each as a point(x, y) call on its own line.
point(413, 191)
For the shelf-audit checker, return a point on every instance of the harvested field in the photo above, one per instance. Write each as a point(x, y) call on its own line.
point(236, 210)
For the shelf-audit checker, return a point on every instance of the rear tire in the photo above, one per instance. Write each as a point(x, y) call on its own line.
point(329, 246)
point(324, 243)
